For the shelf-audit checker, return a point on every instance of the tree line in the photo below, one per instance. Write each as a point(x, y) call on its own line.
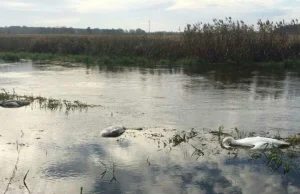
point(70, 30)
point(65, 30)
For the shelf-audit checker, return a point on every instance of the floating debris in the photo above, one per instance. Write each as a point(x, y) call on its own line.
point(14, 103)
point(116, 131)
point(113, 131)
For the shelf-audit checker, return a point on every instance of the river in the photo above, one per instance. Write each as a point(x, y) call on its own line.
point(64, 151)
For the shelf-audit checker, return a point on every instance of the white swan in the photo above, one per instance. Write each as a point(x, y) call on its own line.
point(254, 142)
point(115, 131)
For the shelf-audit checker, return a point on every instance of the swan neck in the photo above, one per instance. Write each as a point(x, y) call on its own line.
point(233, 141)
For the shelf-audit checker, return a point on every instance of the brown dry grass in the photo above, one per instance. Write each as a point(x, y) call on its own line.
point(218, 42)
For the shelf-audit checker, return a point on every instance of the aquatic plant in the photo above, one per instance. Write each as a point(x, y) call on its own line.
point(276, 159)
point(242, 134)
point(108, 168)
point(14, 170)
point(47, 103)
point(9, 57)
point(294, 139)
point(185, 137)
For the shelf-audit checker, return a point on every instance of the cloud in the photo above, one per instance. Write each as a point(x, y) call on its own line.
point(163, 14)
point(198, 4)
point(16, 4)
point(88, 6)
point(32, 6)
point(59, 21)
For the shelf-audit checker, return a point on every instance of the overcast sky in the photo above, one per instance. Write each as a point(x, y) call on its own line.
point(166, 15)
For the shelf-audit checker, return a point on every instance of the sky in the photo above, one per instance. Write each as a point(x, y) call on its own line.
point(164, 15)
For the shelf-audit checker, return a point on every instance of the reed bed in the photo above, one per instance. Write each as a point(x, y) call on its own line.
point(222, 41)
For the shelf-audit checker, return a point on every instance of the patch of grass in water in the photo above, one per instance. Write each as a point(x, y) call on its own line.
point(276, 159)
point(164, 62)
point(47, 103)
point(107, 60)
point(241, 134)
point(294, 140)
point(184, 137)
point(192, 63)
point(126, 61)
point(9, 57)
point(291, 63)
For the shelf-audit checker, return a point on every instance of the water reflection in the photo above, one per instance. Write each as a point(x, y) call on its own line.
point(158, 99)
point(168, 172)
point(78, 162)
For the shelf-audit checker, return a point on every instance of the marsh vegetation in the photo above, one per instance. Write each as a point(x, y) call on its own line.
point(223, 41)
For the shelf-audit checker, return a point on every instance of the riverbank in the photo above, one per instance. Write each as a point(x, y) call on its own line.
point(223, 42)
point(141, 61)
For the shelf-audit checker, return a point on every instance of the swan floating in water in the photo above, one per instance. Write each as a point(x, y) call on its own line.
point(115, 131)
point(14, 103)
point(254, 142)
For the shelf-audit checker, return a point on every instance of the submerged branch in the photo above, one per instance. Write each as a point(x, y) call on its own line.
point(14, 171)
point(24, 181)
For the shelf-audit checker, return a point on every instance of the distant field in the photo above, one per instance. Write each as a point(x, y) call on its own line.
point(166, 36)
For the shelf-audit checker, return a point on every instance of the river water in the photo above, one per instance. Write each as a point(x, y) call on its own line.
point(64, 151)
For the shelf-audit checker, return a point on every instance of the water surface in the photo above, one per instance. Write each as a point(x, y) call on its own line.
point(64, 152)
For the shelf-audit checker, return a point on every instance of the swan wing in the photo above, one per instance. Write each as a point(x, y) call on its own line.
point(262, 145)
point(257, 140)
point(268, 145)
point(279, 142)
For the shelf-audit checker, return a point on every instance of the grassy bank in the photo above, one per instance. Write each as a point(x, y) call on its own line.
point(221, 42)
point(142, 61)
point(86, 59)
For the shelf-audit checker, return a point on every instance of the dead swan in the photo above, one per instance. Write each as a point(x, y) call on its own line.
point(115, 131)
point(254, 142)
point(14, 103)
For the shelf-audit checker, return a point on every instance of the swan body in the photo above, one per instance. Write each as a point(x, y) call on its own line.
point(254, 142)
point(113, 131)
point(14, 103)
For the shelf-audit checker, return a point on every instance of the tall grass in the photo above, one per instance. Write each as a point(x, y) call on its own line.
point(228, 40)
point(154, 46)
point(218, 42)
